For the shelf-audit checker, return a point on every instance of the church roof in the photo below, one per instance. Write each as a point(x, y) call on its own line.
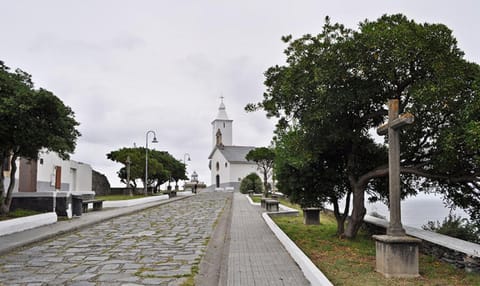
point(234, 154)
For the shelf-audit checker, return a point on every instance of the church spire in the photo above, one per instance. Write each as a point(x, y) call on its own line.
point(222, 127)
point(222, 113)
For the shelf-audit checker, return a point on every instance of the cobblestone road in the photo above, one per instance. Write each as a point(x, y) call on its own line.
point(158, 246)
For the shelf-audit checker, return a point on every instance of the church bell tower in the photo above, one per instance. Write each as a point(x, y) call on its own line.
point(222, 127)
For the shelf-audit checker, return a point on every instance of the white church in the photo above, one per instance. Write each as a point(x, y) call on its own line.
point(227, 163)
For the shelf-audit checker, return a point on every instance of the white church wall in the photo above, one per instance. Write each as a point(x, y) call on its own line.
point(240, 171)
point(218, 168)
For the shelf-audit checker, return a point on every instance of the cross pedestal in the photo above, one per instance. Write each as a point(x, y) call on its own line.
point(396, 253)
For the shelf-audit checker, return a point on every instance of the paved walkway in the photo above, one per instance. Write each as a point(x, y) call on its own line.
point(255, 256)
point(153, 244)
point(157, 246)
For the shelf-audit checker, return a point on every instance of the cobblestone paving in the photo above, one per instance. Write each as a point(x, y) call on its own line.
point(158, 246)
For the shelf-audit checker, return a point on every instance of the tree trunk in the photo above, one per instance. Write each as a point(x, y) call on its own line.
point(2, 184)
point(358, 212)
point(6, 199)
point(265, 183)
point(341, 217)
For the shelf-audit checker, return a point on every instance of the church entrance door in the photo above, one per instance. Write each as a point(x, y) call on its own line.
point(218, 181)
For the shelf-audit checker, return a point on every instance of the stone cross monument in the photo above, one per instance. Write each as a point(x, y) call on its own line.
point(395, 122)
point(396, 253)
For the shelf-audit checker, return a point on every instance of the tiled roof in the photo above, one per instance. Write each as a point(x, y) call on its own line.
point(234, 154)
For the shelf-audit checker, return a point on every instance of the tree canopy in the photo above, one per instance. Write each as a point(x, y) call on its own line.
point(264, 157)
point(251, 182)
point(31, 120)
point(162, 167)
point(335, 85)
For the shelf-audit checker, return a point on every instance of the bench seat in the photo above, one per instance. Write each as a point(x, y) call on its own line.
point(97, 205)
point(271, 205)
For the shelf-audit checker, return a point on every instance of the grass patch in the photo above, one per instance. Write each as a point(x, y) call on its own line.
point(352, 262)
point(18, 213)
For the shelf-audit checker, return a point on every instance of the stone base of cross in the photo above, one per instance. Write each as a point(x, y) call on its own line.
point(396, 253)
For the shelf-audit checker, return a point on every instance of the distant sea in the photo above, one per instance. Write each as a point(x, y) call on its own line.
point(417, 211)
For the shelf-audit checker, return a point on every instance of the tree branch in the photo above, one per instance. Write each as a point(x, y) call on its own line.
point(381, 171)
point(422, 173)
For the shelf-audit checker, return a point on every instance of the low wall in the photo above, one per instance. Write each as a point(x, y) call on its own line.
point(24, 223)
point(60, 202)
point(460, 253)
point(134, 202)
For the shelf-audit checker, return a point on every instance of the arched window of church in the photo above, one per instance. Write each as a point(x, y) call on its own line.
point(218, 166)
point(223, 124)
point(226, 164)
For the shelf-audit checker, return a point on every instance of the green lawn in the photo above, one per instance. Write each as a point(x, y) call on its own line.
point(352, 262)
point(18, 213)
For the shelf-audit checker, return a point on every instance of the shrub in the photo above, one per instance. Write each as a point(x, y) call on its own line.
point(251, 182)
point(455, 226)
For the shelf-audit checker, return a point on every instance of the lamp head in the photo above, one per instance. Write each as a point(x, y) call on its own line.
point(154, 140)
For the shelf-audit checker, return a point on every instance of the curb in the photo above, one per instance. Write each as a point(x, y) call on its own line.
point(312, 273)
point(24, 223)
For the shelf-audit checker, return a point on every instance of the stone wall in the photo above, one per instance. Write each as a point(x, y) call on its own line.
point(100, 184)
point(458, 259)
point(459, 253)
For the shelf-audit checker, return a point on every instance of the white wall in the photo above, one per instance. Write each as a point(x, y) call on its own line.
point(46, 174)
point(240, 171)
point(232, 172)
point(225, 127)
point(223, 171)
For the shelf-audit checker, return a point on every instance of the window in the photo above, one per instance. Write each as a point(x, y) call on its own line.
point(218, 166)
point(226, 164)
point(41, 161)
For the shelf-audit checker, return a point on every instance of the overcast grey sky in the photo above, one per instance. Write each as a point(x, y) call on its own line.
point(126, 67)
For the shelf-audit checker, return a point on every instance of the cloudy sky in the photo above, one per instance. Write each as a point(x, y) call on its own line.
point(126, 67)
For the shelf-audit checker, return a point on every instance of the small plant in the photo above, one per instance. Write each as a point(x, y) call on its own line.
point(251, 182)
point(455, 226)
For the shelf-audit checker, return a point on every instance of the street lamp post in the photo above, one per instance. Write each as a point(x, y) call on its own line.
point(127, 163)
point(146, 157)
point(186, 157)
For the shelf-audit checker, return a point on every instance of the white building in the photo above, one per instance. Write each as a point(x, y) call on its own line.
point(50, 173)
point(227, 163)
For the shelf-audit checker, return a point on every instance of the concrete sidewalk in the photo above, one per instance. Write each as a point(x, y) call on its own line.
point(19, 239)
point(255, 255)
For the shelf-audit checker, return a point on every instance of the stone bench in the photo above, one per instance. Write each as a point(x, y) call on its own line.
point(271, 205)
point(171, 194)
point(97, 205)
point(262, 202)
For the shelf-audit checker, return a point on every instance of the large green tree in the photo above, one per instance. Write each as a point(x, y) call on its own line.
point(309, 174)
point(264, 158)
point(30, 120)
point(162, 166)
point(335, 86)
